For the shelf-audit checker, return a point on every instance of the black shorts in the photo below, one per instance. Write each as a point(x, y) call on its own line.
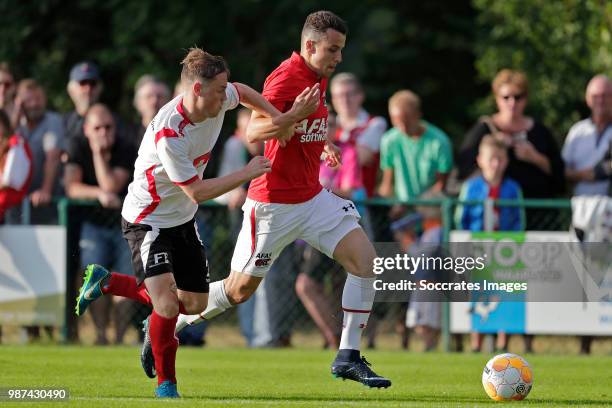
point(177, 250)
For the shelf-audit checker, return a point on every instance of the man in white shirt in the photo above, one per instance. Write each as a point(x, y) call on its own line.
point(586, 151)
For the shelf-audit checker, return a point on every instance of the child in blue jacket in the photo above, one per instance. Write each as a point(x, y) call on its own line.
point(492, 160)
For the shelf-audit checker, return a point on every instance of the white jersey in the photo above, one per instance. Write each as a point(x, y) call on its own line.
point(174, 152)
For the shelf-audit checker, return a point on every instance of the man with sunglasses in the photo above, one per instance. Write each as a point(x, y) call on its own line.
point(99, 167)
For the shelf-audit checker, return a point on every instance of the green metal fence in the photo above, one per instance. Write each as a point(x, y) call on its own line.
point(219, 227)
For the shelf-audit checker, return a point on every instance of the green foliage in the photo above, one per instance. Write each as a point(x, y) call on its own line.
point(390, 45)
point(429, 47)
point(559, 44)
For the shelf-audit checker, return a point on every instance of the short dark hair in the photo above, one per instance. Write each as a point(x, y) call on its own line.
point(199, 64)
point(320, 21)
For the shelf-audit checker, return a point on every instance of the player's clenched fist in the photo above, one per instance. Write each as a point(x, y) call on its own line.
point(285, 135)
point(307, 102)
point(332, 155)
point(258, 166)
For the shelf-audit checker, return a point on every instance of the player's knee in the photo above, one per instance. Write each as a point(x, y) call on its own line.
point(240, 293)
point(240, 296)
point(167, 305)
point(167, 309)
point(358, 260)
point(194, 305)
point(365, 264)
point(360, 265)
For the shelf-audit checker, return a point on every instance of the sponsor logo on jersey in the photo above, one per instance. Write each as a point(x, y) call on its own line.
point(263, 259)
point(314, 130)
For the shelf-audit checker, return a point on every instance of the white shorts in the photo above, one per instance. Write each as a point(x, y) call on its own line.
point(267, 228)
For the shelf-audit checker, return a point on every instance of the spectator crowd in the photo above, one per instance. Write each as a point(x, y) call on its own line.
point(89, 153)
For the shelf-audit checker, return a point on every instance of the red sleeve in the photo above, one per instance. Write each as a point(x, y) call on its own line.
point(281, 90)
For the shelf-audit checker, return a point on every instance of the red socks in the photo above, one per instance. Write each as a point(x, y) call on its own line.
point(125, 285)
point(161, 329)
point(164, 344)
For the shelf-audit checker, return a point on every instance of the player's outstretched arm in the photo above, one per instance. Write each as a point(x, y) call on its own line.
point(203, 190)
point(282, 126)
point(255, 101)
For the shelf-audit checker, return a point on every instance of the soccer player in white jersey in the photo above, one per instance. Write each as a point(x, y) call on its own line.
point(158, 212)
point(289, 203)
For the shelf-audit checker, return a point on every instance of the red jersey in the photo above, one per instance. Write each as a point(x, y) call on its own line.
point(494, 195)
point(16, 173)
point(375, 127)
point(295, 167)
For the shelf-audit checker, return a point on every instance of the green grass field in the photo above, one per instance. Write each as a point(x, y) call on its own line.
point(112, 377)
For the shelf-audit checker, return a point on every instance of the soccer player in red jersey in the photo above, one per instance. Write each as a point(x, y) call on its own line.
point(289, 203)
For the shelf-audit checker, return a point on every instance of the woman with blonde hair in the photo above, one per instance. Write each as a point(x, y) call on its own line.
point(534, 158)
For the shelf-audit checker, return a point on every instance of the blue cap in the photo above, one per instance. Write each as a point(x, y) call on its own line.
point(413, 221)
point(85, 71)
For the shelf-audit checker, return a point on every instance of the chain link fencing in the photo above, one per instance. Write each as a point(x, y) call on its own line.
point(300, 280)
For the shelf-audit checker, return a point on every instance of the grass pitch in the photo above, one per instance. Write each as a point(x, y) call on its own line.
point(219, 377)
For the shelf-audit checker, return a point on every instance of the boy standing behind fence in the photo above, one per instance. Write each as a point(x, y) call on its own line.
point(490, 185)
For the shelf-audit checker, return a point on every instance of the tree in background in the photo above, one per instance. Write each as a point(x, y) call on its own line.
point(426, 46)
point(559, 44)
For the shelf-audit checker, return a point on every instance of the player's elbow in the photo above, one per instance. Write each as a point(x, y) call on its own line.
point(252, 135)
point(192, 193)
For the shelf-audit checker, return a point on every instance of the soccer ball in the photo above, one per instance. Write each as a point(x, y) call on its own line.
point(507, 377)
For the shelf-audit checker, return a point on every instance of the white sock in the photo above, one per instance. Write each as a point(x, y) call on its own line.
point(357, 300)
point(186, 320)
point(217, 304)
point(217, 301)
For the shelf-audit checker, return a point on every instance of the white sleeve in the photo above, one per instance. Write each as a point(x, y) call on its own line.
point(372, 134)
point(232, 99)
point(566, 151)
point(16, 168)
point(172, 152)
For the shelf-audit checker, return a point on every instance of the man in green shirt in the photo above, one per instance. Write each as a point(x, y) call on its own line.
point(415, 156)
